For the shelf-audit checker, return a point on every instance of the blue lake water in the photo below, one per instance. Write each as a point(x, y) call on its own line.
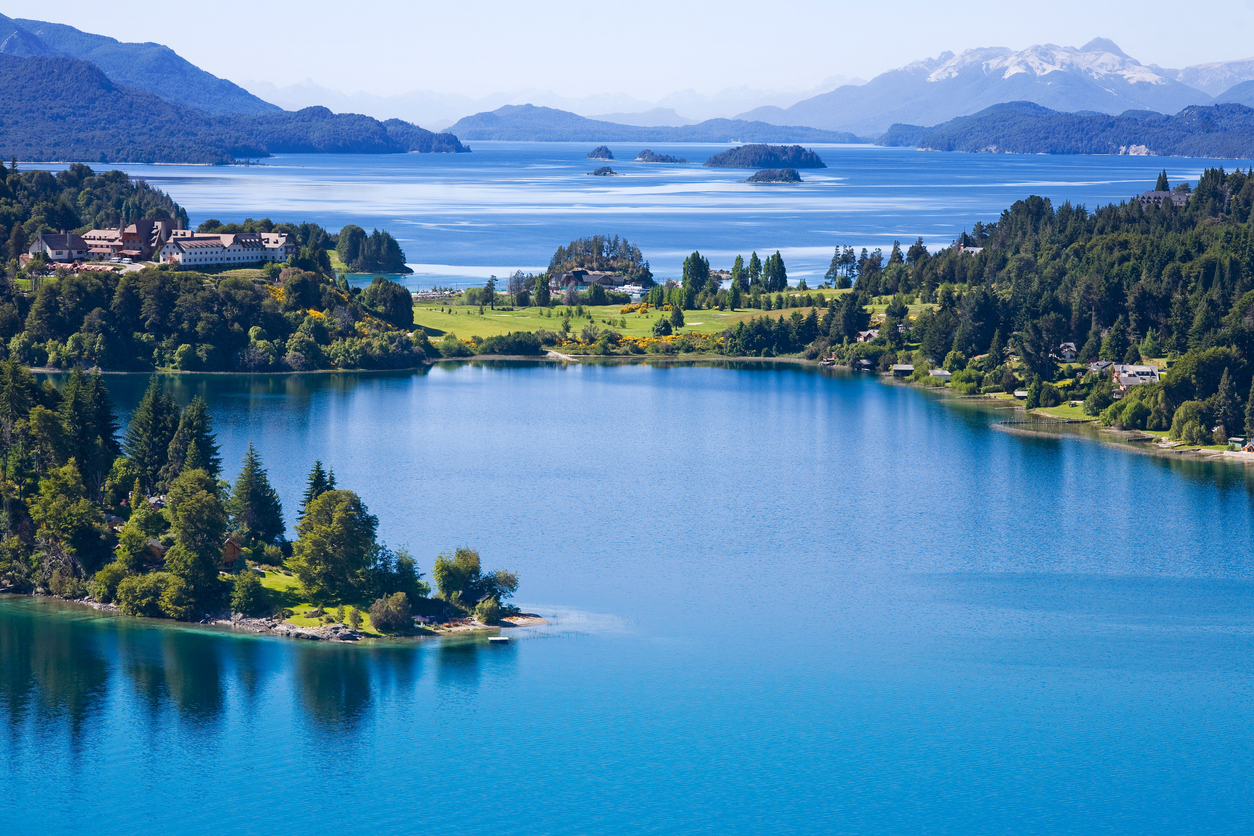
point(508, 206)
point(781, 600)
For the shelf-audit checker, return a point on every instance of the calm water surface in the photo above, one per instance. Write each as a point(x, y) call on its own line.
point(781, 601)
point(509, 205)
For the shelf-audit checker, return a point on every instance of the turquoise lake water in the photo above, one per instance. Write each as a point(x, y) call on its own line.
point(781, 600)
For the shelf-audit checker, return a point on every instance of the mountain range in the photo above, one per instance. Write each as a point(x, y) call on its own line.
point(1095, 77)
point(537, 124)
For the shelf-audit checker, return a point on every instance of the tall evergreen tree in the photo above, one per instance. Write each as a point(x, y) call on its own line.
point(17, 394)
point(542, 291)
point(198, 521)
point(149, 433)
point(317, 484)
point(254, 504)
point(832, 275)
point(194, 425)
point(1161, 185)
point(1226, 404)
point(755, 269)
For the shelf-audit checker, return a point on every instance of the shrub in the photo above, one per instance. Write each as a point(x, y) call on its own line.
point(1050, 396)
point(391, 613)
point(662, 328)
point(248, 596)
point(450, 346)
point(176, 599)
point(141, 594)
point(104, 586)
point(354, 618)
point(488, 612)
point(66, 585)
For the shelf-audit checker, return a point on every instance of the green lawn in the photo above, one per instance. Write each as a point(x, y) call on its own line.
point(1064, 411)
point(284, 590)
point(465, 321)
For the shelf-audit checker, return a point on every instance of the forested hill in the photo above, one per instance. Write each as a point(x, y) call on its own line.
point(528, 123)
point(1218, 131)
point(63, 109)
point(150, 67)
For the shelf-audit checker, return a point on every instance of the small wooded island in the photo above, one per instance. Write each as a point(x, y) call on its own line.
point(604, 171)
point(766, 156)
point(647, 156)
point(601, 152)
point(774, 175)
point(147, 523)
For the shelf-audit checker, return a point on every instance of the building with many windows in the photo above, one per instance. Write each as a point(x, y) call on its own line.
point(239, 249)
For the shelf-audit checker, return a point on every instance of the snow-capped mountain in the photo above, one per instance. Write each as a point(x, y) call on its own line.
point(1097, 76)
point(1214, 78)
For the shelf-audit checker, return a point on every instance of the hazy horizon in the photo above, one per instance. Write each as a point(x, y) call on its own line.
point(576, 51)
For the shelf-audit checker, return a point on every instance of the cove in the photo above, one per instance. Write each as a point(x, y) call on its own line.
point(781, 599)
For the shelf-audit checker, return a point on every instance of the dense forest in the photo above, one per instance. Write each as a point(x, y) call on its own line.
point(767, 156)
point(377, 252)
point(65, 109)
point(1217, 131)
point(145, 521)
point(601, 152)
point(602, 253)
point(295, 316)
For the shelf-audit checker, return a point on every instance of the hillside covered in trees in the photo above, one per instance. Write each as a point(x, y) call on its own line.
point(767, 156)
point(65, 109)
point(294, 316)
point(1217, 131)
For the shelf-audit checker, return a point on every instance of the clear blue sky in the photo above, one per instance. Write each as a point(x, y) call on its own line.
point(646, 48)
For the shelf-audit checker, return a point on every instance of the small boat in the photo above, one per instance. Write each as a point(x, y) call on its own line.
point(498, 639)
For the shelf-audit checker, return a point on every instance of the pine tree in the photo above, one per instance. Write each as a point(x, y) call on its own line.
point(996, 351)
point(315, 486)
point(194, 425)
point(833, 270)
point(149, 433)
point(1161, 185)
point(755, 269)
point(1226, 404)
point(17, 392)
point(254, 504)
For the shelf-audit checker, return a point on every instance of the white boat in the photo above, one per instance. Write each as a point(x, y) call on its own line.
point(498, 639)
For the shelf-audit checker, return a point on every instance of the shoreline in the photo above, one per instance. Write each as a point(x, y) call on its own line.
point(269, 627)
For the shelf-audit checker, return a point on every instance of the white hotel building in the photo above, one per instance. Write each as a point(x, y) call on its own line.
point(193, 250)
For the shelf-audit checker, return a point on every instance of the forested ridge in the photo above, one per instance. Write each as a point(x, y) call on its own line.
point(1223, 131)
point(64, 109)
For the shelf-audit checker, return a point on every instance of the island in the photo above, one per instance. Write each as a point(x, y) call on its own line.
point(766, 156)
point(601, 152)
point(774, 175)
point(647, 156)
point(604, 171)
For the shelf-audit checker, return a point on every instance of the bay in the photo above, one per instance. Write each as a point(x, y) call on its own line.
point(780, 599)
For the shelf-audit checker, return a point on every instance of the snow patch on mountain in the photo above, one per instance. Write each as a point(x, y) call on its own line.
point(1099, 59)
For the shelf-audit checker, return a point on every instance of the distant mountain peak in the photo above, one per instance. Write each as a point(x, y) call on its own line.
point(1104, 45)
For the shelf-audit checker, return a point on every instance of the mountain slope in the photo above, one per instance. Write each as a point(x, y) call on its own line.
point(1216, 77)
point(1097, 76)
point(1216, 131)
point(63, 109)
point(150, 67)
point(544, 124)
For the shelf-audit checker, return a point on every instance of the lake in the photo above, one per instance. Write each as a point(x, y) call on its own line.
point(509, 205)
point(781, 599)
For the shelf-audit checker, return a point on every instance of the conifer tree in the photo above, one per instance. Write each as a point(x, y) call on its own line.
point(17, 392)
point(199, 522)
point(996, 350)
point(755, 268)
point(149, 433)
point(1226, 404)
point(254, 504)
point(833, 270)
point(194, 425)
point(1161, 185)
point(317, 484)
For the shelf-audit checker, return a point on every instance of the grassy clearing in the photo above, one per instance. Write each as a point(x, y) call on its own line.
point(1065, 412)
point(465, 321)
point(284, 590)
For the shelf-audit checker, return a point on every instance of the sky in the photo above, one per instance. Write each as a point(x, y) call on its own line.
point(644, 48)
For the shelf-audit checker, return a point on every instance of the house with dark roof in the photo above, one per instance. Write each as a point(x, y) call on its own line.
point(59, 246)
point(1155, 198)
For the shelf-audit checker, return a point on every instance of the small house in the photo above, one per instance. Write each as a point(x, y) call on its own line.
point(942, 374)
point(868, 335)
point(232, 551)
point(1249, 446)
point(1067, 352)
point(863, 365)
point(62, 246)
point(1021, 394)
point(1100, 366)
point(902, 370)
